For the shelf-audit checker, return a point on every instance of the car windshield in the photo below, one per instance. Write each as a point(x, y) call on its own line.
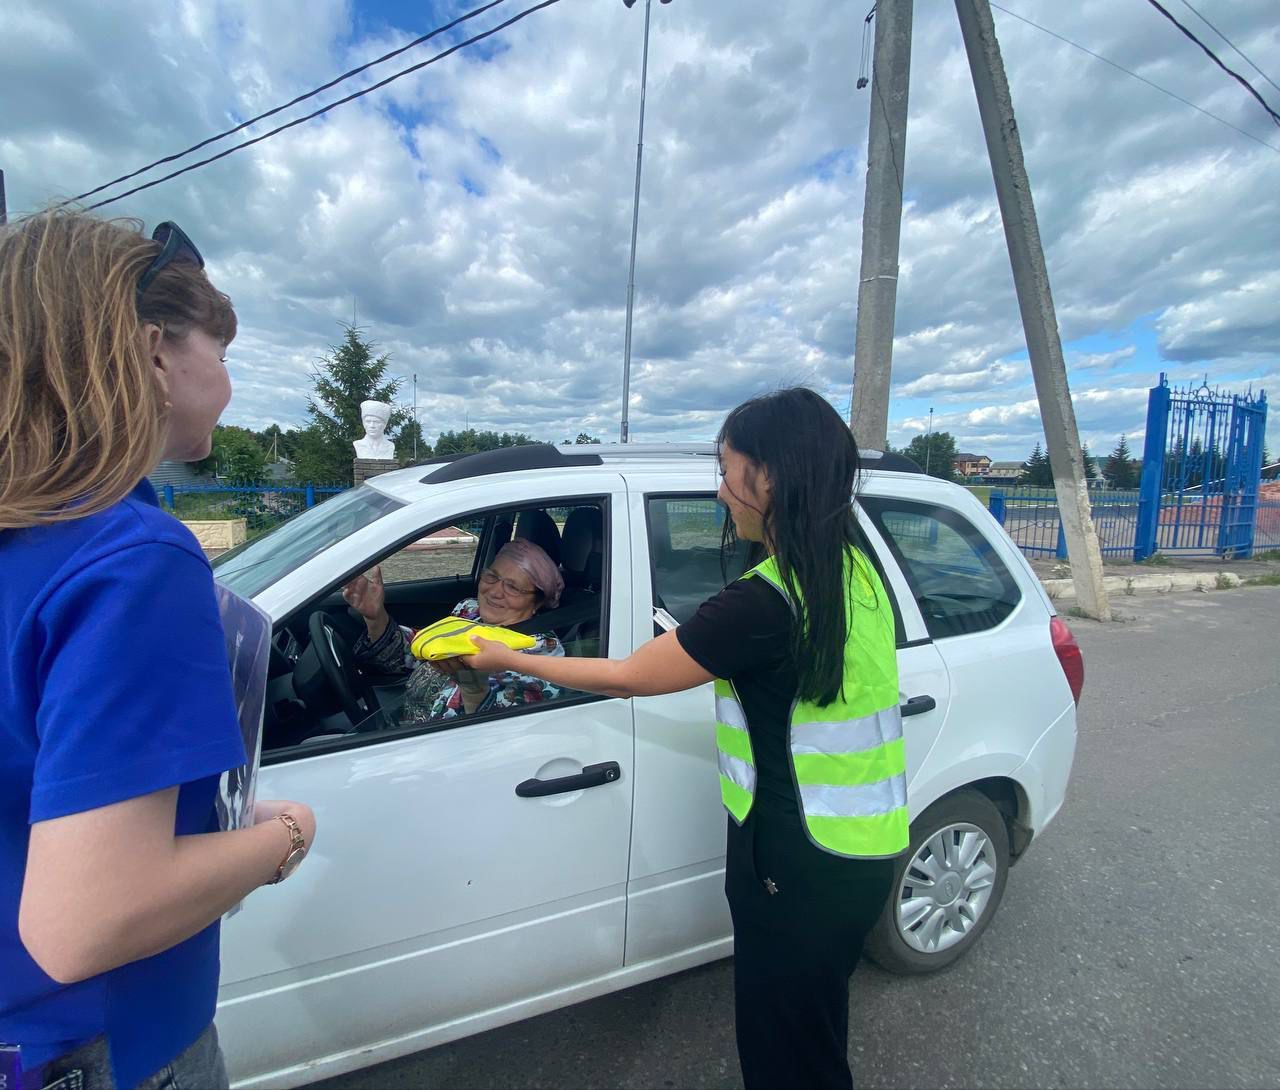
point(255, 565)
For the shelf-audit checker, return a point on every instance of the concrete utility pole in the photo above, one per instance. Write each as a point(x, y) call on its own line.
point(4, 207)
point(1039, 322)
point(881, 224)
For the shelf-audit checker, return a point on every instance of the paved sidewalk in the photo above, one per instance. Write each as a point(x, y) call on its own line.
point(1165, 576)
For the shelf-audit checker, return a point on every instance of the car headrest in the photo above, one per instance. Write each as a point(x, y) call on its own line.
point(540, 528)
point(583, 547)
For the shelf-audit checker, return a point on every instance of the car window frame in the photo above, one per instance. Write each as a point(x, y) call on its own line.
point(647, 497)
point(303, 750)
point(875, 543)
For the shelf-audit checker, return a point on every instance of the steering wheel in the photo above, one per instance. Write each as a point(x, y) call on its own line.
point(339, 668)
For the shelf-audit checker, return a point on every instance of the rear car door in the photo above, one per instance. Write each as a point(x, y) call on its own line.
point(676, 883)
point(1006, 686)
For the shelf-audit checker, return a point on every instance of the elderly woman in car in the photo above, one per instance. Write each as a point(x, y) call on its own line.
point(521, 581)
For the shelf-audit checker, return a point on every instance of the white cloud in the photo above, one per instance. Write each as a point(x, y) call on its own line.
point(476, 216)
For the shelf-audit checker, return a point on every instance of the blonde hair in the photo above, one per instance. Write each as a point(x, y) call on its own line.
point(81, 411)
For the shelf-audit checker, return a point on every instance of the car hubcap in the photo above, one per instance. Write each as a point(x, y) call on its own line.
point(946, 888)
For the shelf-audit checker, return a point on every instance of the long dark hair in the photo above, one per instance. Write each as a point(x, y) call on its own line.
point(812, 461)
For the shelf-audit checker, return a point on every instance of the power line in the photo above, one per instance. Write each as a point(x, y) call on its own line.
point(1143, 79)
point(325, 109)
point(301, 98)
point(1214, 57)
point(1234, 46)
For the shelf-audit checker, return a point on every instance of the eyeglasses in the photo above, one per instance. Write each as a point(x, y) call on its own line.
point(175, 248)
point(490, 578)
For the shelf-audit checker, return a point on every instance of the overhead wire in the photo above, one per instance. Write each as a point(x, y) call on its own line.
point(1216, 59)
point(1204, 19)
point(1142, 79)
point(325, 109)
point(293, 102)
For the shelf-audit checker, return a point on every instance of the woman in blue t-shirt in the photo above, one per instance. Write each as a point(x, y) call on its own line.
point(116, 709)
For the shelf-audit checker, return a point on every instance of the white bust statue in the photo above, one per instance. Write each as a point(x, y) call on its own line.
point(374, 443)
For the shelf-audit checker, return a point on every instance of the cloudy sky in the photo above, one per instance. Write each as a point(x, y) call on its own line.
point(474, 217)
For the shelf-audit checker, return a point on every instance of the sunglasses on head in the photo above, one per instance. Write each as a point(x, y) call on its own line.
point(175, 248)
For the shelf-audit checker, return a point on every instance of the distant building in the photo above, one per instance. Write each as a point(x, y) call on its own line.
point(972, 465)
point(1003, 473)
point(175, 473)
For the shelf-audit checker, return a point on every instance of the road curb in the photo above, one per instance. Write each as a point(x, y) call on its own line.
point(1125, 585)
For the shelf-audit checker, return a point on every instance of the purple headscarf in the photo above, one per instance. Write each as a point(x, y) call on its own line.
point(538, 566)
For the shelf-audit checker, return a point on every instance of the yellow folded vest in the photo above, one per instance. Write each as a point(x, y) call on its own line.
point(451, 636)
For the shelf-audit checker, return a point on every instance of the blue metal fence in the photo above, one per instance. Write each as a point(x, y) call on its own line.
point(1266, 534)
point(262, 506)
point(1031, 517)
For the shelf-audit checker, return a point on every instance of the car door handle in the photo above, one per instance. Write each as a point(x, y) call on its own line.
point(590, 776)
point(918, 705)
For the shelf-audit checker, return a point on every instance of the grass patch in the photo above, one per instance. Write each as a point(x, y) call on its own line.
point(1223, 582)
point(1076, 612)
point(1271, 555)
point(982, 492)
point(1156, 560)
point(1271, 579)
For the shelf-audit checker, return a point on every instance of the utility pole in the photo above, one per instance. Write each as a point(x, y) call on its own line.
point(1039, 322)
point(4, 207)
point(415, 418)
point(881, 224)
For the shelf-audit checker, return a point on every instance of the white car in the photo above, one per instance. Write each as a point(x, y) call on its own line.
point(478, 870)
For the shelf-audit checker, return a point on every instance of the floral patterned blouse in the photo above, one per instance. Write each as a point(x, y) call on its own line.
point(432, 694)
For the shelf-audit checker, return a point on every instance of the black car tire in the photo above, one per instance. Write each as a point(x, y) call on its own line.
point(887, 945)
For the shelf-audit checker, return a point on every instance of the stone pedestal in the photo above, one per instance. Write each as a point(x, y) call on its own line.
point(364, 468)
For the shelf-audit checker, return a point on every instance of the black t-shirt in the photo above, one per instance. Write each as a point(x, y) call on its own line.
point(743, 635)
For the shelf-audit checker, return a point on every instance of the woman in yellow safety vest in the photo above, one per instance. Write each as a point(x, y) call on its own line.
point(812, 769)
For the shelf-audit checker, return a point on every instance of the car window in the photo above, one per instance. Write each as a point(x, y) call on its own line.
point(398, 694)
point(449, 551)
point(684, 550)
point(960, 583)
point(254, 566)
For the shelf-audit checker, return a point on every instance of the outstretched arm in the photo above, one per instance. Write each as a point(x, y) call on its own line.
point(660, 666)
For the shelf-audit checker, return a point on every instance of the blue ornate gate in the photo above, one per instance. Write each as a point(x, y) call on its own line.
point(1200, 470)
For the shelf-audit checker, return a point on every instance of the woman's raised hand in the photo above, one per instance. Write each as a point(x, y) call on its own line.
point(368, 597)
point(366, 594)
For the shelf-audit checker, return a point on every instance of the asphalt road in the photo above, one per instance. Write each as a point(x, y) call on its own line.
point(1137, 945)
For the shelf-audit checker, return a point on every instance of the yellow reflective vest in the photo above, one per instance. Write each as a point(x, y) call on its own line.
point(848, 758)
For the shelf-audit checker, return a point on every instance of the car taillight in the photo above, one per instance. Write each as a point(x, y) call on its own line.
point(1069, 656)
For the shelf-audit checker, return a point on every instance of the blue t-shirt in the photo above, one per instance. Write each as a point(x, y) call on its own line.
point(114, 684)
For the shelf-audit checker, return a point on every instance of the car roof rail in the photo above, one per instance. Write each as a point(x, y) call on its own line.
point(459, 467)
point(650, 450)
point(506, 460)
point(894, 463)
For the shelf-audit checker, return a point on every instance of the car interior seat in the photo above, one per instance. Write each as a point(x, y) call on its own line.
point(540, 528)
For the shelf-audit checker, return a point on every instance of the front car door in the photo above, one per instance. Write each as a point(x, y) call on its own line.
point(436, 902)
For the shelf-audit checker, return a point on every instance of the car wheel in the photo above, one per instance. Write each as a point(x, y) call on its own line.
point(947, 886)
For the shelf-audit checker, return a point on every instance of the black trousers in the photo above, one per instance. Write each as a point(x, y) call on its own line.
point(795, 949)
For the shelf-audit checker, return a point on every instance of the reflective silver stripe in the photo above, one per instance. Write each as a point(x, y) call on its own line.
point(736, 769)
point(852, 736)
point(730, 713)
point(863, 800)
